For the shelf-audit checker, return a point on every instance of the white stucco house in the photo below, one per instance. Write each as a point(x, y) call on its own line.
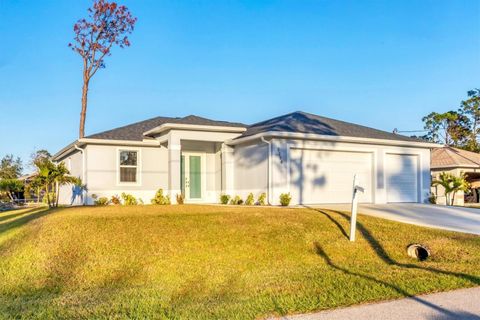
point(312, 157)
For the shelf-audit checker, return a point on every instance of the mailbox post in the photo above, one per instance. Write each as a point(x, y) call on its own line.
point(353, 222)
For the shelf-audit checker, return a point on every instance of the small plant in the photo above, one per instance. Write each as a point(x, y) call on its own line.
point(102, 201)
point(115, 200)
point(432, 198)
point(236, 200)
point(261, 199)
point(451, 185)
point(285, 199)
point(129, 200)
point(140, 201)
point(160, 198)
point(180, 198)
point(250, 199)
point(224, 198)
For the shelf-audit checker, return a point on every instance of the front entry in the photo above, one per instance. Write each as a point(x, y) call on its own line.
point(193, 176)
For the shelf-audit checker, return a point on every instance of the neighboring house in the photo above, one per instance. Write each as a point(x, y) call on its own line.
point(456, 161)
point(312, 157)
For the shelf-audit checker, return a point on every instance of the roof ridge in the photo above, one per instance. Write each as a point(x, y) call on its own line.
point(449, 155)
point(336, 121)
point(130, 124)
point(461, 155)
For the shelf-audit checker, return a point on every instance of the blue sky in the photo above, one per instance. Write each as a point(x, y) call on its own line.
point(383, 64)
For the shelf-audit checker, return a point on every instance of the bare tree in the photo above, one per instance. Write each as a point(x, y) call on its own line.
point(108, 24)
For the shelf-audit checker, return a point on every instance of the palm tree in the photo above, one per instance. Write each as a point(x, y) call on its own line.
point(50, 177)
point(459, 183)
point(61, 177)
point(451, 185)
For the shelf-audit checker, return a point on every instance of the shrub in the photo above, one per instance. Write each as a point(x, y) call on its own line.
point(236, 201)
point(261, 199)
point(102, 201)
point(160, 198)
point(285, 199)
point(115, 200)
point(129, 200)
point(432, 198)
point(140, 201)
point(180, 198)
point(224, 198)
point(250, 199)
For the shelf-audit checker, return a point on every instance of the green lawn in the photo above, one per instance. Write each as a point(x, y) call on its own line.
point(200, 262)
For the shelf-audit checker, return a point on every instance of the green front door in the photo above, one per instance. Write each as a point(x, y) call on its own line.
point(195, 173)
point(191, 176)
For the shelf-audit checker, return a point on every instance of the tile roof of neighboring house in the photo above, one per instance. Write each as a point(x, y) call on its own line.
point(448, 157)
point(308, 123)
point(135, 131)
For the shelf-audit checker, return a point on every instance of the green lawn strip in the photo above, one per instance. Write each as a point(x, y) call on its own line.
point(202, 262)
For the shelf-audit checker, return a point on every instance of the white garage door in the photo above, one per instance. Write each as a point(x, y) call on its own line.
point(402, 175)
point(321, 176)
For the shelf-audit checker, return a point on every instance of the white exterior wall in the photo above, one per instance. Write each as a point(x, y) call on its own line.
point(158, 167)
point(250, 169)
point(235, 170)
point(280, 180)
point(74, 164)
point(103, 171)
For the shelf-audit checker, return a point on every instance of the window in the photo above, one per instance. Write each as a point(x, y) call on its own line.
point(128, 166)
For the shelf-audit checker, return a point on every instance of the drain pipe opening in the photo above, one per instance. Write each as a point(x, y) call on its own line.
point(418, 251)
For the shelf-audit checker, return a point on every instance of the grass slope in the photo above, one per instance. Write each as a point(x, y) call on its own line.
point(201, 262)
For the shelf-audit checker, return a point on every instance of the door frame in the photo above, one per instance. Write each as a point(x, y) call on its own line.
point(203, 175)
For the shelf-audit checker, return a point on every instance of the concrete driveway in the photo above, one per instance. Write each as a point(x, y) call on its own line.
point(442, 217)
point(460, 304)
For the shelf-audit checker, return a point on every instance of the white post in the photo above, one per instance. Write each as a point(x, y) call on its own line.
point(353, 220)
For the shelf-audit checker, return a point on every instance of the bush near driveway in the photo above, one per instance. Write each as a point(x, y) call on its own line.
point(197, 262)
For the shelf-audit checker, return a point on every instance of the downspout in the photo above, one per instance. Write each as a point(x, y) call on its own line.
point(269, 171)
point(84, 175)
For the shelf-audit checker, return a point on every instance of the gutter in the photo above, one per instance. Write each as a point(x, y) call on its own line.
point(83, 141)
point(84, 175)
point(269, 171)
point(312, 136)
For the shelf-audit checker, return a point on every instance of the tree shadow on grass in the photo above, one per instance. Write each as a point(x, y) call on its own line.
point(382, 253)
point(384, 256)
point(25, 218)
point(445, 314)
point(11, 214)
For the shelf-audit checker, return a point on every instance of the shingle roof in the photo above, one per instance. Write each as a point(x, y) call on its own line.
point(452, 157)
point(308, 123)
point(135, 131)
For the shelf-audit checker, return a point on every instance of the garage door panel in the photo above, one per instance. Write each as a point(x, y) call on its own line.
point(402, 177)
point(321, 176)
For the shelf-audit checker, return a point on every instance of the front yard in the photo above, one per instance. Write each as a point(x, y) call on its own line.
point(214, 262)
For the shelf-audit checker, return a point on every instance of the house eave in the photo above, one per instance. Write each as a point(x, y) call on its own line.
point(169, 126)
point(454, 166)
point(310, 136)
point(84, 141)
